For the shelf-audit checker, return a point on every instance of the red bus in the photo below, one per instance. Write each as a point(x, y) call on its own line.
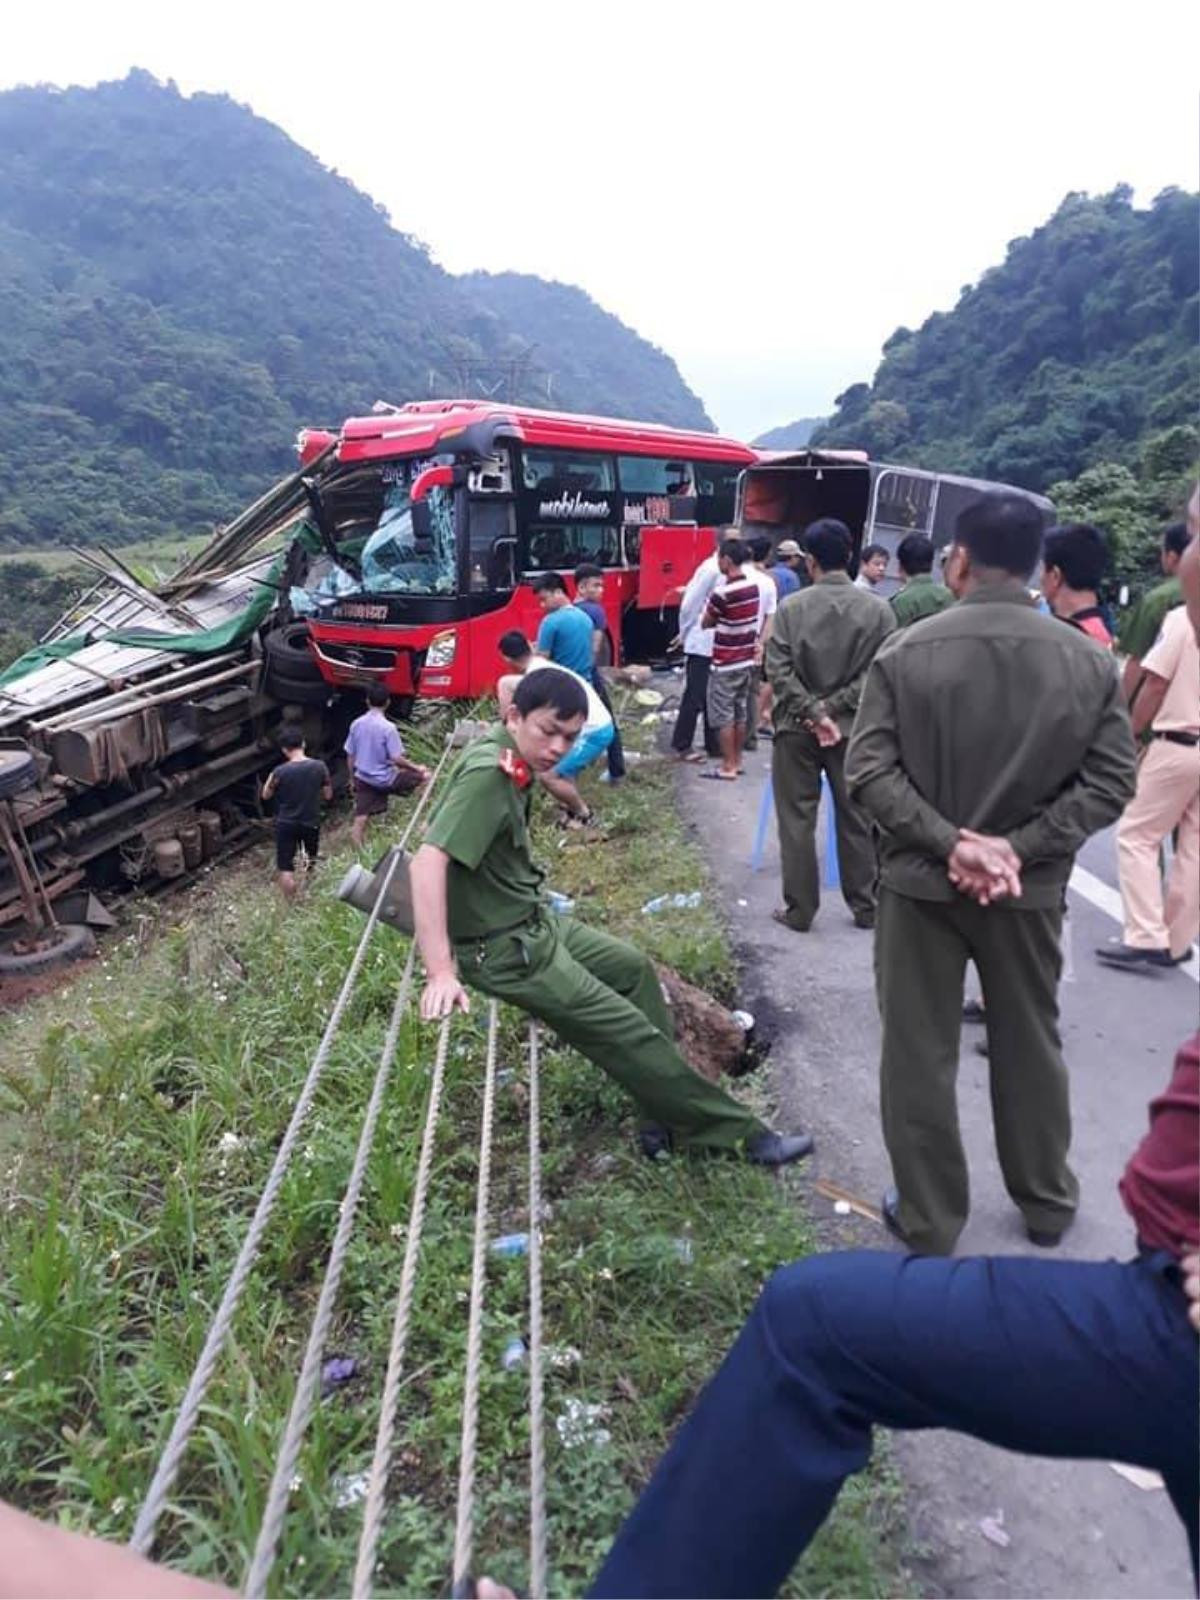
point(433, 518)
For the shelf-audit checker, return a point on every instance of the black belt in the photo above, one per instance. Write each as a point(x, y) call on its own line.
point(1176, 736)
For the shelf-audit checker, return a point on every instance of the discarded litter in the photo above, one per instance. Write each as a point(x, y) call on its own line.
point(842, 1207)
point(684, 1249)
point(562, 1357)
point(579, 1424)
point(744, 1020)
point(648, 697)
point(1140, 1477)
point(511, 1244)
point(559, 903)
point(515, 1352)
point(336, 1371)
point(649, 720)
point(993, 1529)
point(349, 1489)
point(673, 902)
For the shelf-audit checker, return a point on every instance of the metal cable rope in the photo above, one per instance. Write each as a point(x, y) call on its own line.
point(310, 1369)
point(463, 1530)
point(537, 1458)
point(142, 1538)
point(368, 1544)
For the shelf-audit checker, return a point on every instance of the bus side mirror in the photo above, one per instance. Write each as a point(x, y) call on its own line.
point(422, 524)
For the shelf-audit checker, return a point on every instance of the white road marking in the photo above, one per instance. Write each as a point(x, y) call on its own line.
point(1098, 893)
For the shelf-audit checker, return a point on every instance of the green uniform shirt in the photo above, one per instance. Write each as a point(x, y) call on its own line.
point(483, 826)
point(920, 597)
point(1141, 627)
point(822, 642)
point(993, 717)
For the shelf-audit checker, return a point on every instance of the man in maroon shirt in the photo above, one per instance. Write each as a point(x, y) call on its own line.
point(1090, 1359)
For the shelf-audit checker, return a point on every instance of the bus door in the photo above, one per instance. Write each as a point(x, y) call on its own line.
point(667, 557)
point(902, 502)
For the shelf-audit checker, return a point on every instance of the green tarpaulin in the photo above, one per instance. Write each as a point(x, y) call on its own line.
point(206, 641)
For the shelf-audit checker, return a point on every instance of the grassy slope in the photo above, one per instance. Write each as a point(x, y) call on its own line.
point(121, 1214)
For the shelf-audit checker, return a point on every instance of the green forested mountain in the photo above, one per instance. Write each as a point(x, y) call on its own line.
point(1074, 351)
point(182, 286)
point(791, 436)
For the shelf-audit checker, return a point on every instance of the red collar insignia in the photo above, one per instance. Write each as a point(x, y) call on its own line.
point(511, 763)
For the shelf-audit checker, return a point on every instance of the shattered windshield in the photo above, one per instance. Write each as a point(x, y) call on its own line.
point(370, 512)
point(396, 561)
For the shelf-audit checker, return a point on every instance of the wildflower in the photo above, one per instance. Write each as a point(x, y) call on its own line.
point(118, 1506)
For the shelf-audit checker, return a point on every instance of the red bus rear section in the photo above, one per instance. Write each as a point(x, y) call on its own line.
point(429, 522)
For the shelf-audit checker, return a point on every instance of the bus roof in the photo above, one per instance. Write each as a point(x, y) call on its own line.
point(432, 427)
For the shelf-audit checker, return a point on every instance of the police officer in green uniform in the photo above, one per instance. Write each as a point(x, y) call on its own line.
point(822, 643)
point(480, 922)
point(920, 596)
point(990, 742)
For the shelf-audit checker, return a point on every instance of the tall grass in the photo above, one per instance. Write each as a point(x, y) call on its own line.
point(141, 1111)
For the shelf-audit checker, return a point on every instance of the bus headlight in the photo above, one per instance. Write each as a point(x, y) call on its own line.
point(441, 649)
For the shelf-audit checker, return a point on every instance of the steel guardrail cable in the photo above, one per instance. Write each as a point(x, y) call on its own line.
point(308, 1382)
point(373, 1512)
point(537, 1453)
point(142, 1539)
point(464, 1521)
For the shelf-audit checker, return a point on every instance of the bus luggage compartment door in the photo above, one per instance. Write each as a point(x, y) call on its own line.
point(667, 559)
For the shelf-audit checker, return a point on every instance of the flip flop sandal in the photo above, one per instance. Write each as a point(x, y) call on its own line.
point(721, 777)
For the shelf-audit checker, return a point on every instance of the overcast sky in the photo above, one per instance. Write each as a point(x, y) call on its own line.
point(765, 190)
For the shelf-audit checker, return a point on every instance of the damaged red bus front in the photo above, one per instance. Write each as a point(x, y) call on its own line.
point(428, 524)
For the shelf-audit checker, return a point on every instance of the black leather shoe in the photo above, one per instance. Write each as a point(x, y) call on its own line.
point(1128, 959)
point(778, 1149)
point(973, 1011)
point(864, 919)
point(1044, 1240)
point(889, 1208)
point(655, 1141)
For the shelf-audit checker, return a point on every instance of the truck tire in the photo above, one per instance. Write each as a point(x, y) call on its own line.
point(287, 653)
point(289, 690)
point(70, 942)
point(18, 771)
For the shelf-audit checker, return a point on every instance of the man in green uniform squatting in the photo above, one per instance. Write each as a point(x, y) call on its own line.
point(480, 923)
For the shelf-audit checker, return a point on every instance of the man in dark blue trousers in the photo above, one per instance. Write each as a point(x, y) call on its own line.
point(1074, 1358)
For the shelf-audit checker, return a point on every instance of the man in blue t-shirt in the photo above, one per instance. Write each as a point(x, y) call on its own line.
point(589, 598)
point(565, 636)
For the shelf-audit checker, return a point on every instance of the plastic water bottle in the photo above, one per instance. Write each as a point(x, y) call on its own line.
point(514, 1355)
point(674, 902)
point(511, 1244)
point(560, 904)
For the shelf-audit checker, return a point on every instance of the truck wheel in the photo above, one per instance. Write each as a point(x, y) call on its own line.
point(71, 942)
point(289, 690)
point(287, 653)
point(18, 771)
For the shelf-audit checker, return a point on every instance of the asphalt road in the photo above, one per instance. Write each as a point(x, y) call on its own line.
point(1075, 1528)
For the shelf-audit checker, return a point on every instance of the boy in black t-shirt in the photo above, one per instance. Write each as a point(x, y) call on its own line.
point(298, 785)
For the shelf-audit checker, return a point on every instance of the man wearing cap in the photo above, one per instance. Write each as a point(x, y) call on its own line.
point(786, 566)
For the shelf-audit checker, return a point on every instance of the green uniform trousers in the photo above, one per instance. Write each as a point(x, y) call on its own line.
point(603, 997)
point(921, 951)
point(797, 763)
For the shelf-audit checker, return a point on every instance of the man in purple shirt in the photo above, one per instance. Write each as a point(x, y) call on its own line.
point(378, 765)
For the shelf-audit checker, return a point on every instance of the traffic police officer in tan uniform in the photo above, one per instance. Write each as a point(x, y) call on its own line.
point(990, 742)
point(822, 643)
point(480, 922)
